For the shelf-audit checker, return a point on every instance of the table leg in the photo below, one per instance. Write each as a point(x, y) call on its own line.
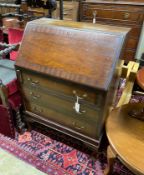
point(110, 159)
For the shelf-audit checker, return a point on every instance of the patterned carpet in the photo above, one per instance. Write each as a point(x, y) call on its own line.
point(49, 151)
point(57, 154)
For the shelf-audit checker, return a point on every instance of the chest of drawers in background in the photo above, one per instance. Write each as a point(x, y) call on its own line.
point(126, 14)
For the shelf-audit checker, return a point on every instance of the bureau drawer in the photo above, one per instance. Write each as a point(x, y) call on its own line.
point(38, 81)
point(61, 109)
point(128, 16)
point(87, 128)
point(110, 14)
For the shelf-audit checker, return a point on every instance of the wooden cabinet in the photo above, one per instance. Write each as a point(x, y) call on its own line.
point(68, 73)
point(117, 13)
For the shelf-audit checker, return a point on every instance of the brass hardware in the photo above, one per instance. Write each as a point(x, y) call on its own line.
point(33, 83)
point(84, 95)
point(126, 15)
point(37, 110)
point(78, 127)
point(74, 92)
point(34, 96)
point(28, 79)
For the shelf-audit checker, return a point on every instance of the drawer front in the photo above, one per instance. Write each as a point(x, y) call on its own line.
point(61, 110)
point(66, 88)
point(128, 16)
point(111, 14)
point(86, 128)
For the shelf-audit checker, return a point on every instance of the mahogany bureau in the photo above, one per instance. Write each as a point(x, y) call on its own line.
point(117, 13)
point(68, 73)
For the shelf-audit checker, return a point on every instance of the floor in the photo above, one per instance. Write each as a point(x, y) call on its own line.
point(10, 165)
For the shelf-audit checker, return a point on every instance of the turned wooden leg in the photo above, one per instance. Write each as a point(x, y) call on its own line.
point(20, 124)
point(110, 159)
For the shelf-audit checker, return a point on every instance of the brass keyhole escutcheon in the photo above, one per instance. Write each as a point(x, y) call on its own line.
point(33, 83)
point(126, 15)
point(37, 110)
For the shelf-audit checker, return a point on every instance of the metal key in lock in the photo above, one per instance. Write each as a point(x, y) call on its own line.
point(94, 17)
point(77, 106)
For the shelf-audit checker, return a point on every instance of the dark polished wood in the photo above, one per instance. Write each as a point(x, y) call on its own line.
point(68, 73)
point(117, 13)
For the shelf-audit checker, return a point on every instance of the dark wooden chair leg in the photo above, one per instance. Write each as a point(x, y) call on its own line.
point(20, 124)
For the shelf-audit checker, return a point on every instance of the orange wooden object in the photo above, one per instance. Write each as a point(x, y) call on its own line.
point(140, 78)
point(126, 135)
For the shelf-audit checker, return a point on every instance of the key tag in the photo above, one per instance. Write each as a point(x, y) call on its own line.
point(77, 106)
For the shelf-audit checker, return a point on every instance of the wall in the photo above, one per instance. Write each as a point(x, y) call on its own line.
point(140, 48)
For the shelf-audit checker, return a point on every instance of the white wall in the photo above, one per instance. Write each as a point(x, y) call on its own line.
point(140, 48)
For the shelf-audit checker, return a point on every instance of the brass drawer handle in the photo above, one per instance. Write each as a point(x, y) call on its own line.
point(126, 15)
point(75, 93)
point(34, 96)
point(33, 83)
point(37, 110)
point(77, 127)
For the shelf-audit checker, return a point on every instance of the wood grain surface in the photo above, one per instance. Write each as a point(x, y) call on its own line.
point(126, 137)
point(117, 13)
